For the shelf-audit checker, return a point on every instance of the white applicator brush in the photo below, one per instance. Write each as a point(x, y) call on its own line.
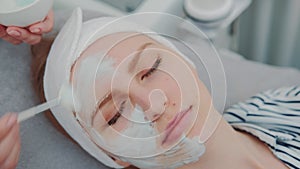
point(65, 99)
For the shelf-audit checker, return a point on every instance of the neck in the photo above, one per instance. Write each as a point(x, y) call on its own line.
point(228, 148)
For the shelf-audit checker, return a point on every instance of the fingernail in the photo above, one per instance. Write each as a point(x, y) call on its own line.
point(36, 30)
point(12, 120)
point(14, 33)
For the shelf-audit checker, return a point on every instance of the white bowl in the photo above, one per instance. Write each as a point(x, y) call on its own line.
point(25, 13)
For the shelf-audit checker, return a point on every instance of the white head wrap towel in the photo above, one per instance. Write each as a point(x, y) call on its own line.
point(72, 40)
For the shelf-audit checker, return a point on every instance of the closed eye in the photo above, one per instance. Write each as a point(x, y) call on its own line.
point(152, 69)
point(115, 118)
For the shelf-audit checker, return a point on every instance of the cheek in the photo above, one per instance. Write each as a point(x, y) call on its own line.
point(187, 82)
point(172, 89)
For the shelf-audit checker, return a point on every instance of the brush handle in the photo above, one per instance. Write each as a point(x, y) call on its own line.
point(24, 115)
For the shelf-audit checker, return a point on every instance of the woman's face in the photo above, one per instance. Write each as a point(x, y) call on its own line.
point(148, 91)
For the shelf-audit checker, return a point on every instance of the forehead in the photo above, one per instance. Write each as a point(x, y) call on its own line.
point(118, 45)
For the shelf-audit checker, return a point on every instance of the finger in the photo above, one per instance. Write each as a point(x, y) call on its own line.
point(44, 26)
point(6, 123)
point(23, 35)
point(2, 31)
point(13, 158)
point(6, 37)
point(11, 40)
point(9, 142)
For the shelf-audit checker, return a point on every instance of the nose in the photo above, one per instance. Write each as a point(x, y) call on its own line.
point(153, 102)
point(158, 102)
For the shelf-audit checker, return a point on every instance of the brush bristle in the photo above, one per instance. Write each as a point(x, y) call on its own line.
point(66, 97)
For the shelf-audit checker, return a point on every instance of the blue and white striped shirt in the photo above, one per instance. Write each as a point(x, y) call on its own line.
point(274, 117)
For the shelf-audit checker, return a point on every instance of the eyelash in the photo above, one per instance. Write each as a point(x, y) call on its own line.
point(114, 119)
point(152, 69)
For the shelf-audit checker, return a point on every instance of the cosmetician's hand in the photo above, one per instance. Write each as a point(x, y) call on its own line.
point(31, 34)
point(9, 141)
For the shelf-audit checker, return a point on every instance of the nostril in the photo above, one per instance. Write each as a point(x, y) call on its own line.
point(152, 117)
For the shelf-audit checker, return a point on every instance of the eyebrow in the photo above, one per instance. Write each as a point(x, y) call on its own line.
point(136, 57)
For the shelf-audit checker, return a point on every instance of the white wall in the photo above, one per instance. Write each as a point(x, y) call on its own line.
point(270, 32)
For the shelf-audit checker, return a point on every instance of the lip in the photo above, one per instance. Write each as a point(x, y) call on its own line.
point(176, 127)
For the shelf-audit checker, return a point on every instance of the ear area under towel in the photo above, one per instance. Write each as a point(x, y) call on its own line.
point(61, 52)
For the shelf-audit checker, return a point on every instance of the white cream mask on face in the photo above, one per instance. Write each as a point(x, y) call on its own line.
point(95, 69)
point(130, 148)
point(71, 41)
point(131, 141)
point(185, 152)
